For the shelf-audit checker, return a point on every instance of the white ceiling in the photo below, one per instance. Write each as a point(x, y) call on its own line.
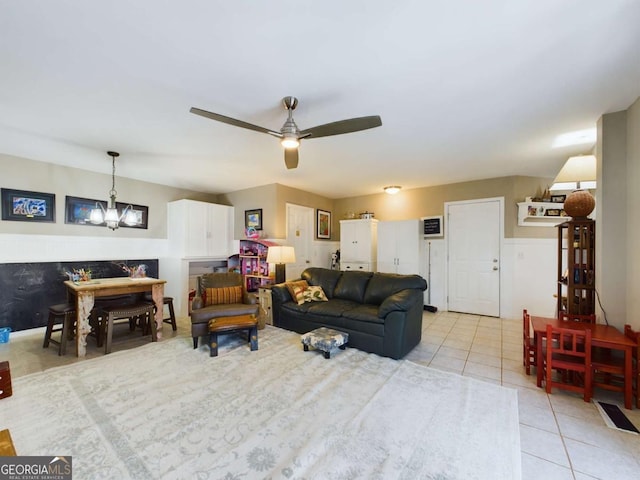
point(466, 89)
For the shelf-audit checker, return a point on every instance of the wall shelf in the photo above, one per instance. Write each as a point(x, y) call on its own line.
point(541, 219)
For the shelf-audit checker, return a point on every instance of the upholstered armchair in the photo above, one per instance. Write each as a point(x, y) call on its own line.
point(219, 295)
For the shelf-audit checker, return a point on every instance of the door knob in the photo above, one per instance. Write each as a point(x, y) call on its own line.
point(495, 268)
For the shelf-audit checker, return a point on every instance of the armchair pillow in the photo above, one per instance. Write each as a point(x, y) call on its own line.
point(223, 295)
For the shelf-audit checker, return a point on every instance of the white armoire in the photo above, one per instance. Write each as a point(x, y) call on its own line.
point(358, 244)
point(200, 240)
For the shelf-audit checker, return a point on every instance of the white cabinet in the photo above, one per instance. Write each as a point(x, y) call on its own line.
point(199, 233)
point(200, 229)
point(399, 247)
point(358, 244)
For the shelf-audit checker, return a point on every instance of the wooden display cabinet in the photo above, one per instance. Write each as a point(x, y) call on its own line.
point(576, 267)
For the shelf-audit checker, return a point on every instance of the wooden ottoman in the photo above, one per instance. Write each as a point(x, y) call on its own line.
point(232, 324)
point(325, 339)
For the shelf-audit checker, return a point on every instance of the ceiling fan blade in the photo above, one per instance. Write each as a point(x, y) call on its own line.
point(234, 122)
point(343, 126)
point(291, 157)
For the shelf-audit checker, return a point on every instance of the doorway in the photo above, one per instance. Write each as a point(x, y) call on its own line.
point(300, 237)
point(475, 231)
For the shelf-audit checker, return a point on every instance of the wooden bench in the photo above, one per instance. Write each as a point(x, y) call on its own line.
point(232, 324)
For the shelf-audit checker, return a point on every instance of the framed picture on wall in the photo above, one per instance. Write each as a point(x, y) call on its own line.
point(141, 214)
point(323, 224)
point(78, 210)
point(253, 219)
point(25, 206)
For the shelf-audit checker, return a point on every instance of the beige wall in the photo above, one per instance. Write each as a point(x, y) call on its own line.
point(618, 225)
point(272, 199)
point(427, 201)
point(22, 174)
point(407, 204)
point(611, 267)
point(633, 219)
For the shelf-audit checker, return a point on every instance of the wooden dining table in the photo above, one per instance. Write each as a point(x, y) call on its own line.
point(604, 336)
point(85, 293)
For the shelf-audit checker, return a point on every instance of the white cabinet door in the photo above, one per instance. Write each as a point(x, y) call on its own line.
point(399, 247)
point(200, 229)
point(197, 229)
point(358, 241)
point(219, 231)
point(348, 242)
point(387, 247)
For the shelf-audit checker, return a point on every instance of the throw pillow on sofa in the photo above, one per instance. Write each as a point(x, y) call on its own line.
point(309, 294)
point(314, 294)
point(223, 295)
point(299, 283)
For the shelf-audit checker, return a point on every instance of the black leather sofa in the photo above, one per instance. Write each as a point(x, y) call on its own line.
point(381, 312)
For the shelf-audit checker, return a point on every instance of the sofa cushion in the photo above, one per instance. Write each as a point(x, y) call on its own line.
point(364, 313)
point(336, 307)
point(323, 277)
point(222, 310)
point(352, 286)
point(222, 295)
point(383, 285)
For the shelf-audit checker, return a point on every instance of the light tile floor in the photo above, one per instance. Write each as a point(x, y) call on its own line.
point(561, 437)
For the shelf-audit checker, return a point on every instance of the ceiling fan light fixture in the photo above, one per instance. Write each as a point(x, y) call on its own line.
point(289, 141)
point(392, 189)
point(290, 135)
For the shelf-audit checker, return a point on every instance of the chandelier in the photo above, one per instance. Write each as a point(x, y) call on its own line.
point(110, 216)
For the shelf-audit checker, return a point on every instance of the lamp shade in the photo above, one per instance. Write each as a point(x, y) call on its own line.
point(281, 254)
point(578, 169)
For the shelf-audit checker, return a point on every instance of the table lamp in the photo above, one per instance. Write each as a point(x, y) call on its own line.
point(281, 255)
point(576, 173)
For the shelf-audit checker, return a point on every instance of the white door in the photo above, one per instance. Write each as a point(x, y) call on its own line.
point(300, 237)
point(473, 244)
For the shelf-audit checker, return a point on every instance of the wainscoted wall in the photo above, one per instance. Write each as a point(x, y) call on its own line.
point(28, 289)
point(528, 265)
point(529, 268)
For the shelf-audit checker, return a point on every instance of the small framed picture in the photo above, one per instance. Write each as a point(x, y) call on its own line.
point(24, 206)
point(532, 211)
point(141, 215)
point(323, 224)
point(253, 219)
point(78, 210)
point(432, 226)
point(558, 198)
point(552, 212)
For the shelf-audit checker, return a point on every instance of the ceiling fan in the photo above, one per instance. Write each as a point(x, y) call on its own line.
point(290, 135)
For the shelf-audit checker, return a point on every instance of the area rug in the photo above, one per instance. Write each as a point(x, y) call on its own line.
point(165, 410)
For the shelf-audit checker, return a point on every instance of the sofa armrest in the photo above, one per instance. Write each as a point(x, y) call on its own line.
point(401, 301)
point(280, 293)
point(197, 303)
